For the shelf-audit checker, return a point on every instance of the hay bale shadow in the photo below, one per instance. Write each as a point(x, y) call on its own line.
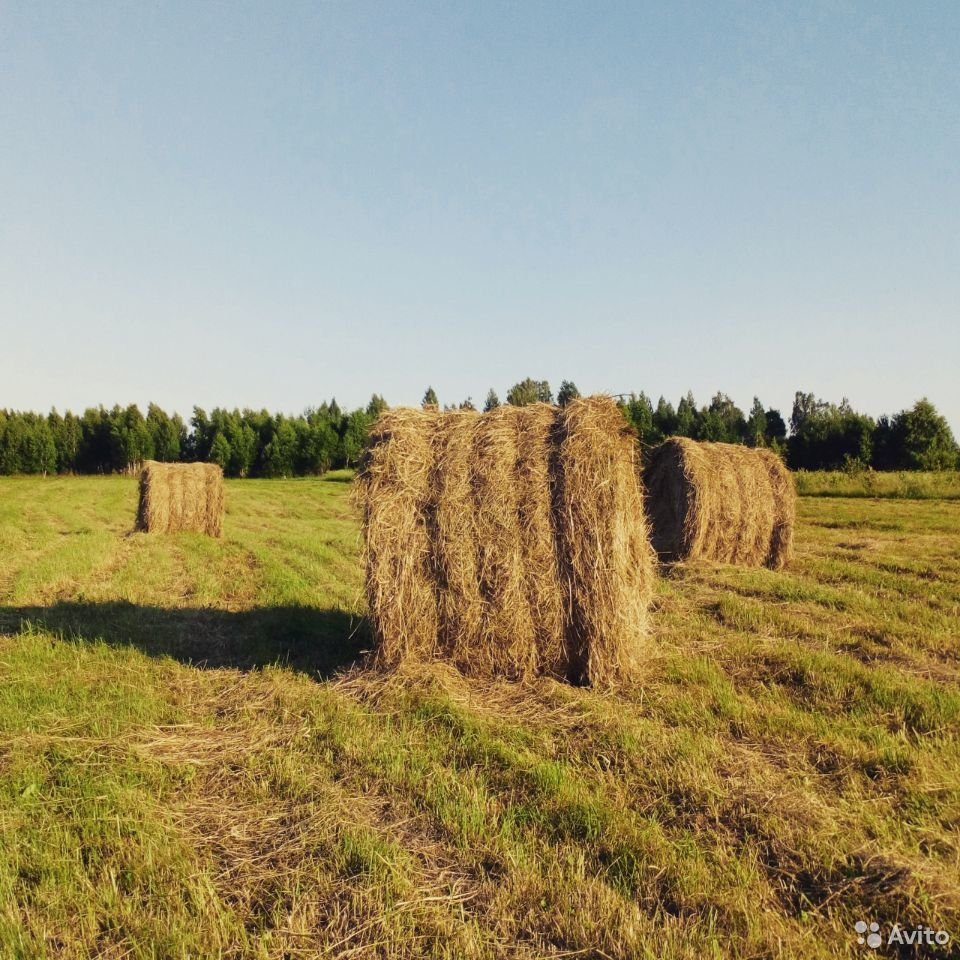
point(319, 642)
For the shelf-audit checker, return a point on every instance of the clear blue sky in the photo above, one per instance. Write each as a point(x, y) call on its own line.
point(269, 204)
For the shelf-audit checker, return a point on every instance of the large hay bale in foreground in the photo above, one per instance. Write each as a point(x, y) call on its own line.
point(719, 501)
point(512, 543)
point(181, 496)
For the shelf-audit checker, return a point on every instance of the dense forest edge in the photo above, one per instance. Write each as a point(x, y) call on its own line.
point(820, 435)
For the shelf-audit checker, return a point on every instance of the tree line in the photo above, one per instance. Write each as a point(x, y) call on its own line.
point(250, 443)
point(246, 443)
point(821, 436)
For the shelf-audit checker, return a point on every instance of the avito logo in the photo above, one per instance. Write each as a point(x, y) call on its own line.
point(871, 939)
point(869, 935)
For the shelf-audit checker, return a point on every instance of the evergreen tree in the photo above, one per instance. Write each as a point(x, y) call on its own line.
point(492, 401)
point(686, 416)
point(430, 401)
point(568, 391)
point(376, 406)
point(665, 419)
point(354, 438)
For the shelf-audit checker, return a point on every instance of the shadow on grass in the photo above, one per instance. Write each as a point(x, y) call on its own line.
point(318, 642)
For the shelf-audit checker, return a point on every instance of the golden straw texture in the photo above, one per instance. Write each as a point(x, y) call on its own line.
point(721, 502)
point(398, 524)
point(181, 496)
point(609, 565)
point(512, 543)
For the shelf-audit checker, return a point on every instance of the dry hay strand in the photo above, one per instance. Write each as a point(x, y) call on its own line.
point(395, 494)
point(752, 533)
point(720, 502)
point(535, 426)
point(785, 510)
point(181, 496)
point(459, 601)
point(606, 555)
point(512, 544)
point(505, 644)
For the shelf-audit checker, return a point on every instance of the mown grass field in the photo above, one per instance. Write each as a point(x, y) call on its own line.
point(908, 485)
point(189, 767)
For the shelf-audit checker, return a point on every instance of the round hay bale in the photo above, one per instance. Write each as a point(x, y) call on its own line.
point(720, 502)
point(178, 497)
point(512, 543)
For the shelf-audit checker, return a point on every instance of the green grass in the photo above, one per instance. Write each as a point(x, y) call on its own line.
point(190, 767)
point(907, 485)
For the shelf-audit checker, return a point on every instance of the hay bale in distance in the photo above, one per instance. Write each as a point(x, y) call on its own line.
point(719, 501)
point(181, 496)
point(512, 543)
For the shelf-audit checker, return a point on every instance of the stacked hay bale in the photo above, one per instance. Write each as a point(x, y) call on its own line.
point(512, 543)
point(719, 501)
point(181, 496)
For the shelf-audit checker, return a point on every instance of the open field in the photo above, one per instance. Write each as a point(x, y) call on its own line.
point(909, 485)
point(187, 771)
